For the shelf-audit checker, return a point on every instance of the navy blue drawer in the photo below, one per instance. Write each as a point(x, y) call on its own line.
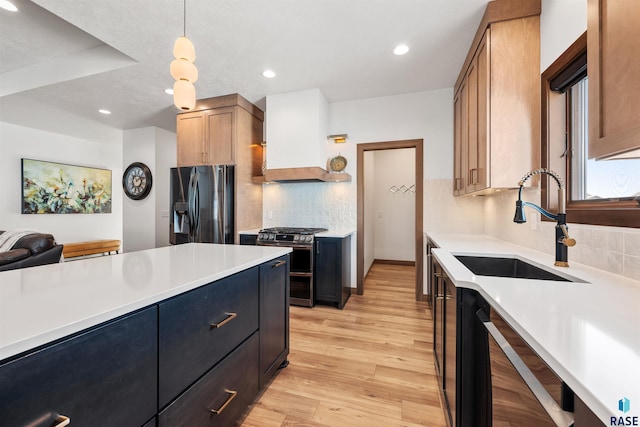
point(227, 389)
point(188, 343)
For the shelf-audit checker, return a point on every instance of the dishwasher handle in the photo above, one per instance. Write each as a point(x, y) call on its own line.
point(560, 417)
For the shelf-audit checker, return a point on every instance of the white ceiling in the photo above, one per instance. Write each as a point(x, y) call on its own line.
point(81, 55)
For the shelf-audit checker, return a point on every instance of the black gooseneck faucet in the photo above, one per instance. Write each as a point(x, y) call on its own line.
point(563, 241)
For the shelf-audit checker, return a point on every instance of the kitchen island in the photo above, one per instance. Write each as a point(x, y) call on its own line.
point(585, 331)
point(131, 336)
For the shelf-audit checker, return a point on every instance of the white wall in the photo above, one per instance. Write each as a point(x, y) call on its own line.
point(18, 142)
point(394, 212)
point(561, 23)
point(166, 158)
point(144, 226)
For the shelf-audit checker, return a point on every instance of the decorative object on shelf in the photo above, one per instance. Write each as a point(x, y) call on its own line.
point(57, 188)
point(183, 70)
point(137, 181)
point(339, 138)
point(338, 163)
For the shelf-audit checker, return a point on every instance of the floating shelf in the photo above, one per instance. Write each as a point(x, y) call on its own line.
point(307, 174)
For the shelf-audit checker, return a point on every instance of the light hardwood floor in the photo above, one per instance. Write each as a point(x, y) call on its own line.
point(370, 364)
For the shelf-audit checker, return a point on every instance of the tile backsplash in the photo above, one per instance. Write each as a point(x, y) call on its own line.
point(330, 205)
point(613, 249)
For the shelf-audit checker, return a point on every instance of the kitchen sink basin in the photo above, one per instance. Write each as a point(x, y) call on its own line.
point(507, 267)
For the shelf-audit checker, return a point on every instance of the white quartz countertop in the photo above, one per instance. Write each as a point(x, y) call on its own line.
point(42, 304)
point(588, 333)
point(338, 233)
point(254, 231)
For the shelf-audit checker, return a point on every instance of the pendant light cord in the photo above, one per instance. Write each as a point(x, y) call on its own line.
point(184, 23)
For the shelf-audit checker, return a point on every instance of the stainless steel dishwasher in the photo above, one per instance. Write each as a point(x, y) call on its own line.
point(524, 390)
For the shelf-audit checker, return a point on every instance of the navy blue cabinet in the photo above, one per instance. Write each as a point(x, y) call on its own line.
point(103, 377)
point(274, 317)
point(248, 239)
point(332, 274)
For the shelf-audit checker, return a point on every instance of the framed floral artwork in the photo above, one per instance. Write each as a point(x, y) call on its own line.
point(58, 188)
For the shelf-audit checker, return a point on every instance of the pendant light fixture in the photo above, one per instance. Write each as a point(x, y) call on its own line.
point(183, 70)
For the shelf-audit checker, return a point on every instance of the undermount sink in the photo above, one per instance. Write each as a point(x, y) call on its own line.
point(508, 267)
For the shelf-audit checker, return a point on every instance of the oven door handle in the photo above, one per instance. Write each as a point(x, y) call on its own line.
point(560, 417)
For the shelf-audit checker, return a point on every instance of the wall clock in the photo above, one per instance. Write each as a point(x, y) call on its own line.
point(137, 180)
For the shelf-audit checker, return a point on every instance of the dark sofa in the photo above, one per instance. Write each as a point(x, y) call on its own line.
point(31, 250)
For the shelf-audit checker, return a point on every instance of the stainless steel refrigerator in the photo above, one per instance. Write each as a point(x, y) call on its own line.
point(202, 204)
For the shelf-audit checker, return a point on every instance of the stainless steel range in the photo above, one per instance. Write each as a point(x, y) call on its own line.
point(302, 241)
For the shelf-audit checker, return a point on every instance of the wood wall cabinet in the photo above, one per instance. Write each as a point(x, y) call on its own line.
point(214, 132)
point(209, 137)
point(227, 130)
point(613, 43)
point(497, 100)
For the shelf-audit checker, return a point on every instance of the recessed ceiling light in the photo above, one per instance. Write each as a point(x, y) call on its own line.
point(102, 111)
point(168, 91)
point(7, 5)
point(401, 49)
point(269, 74)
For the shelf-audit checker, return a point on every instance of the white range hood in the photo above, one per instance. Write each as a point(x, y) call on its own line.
point(296, 135)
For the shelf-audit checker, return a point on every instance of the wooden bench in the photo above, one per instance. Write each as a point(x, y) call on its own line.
point(71, 250)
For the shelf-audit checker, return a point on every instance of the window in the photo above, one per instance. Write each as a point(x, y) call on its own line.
point(591, 179)
point(602, 192)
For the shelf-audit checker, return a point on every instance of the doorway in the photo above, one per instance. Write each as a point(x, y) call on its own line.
point(417, 144)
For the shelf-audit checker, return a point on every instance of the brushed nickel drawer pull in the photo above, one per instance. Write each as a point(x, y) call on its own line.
point(62, 421)
point(278, 264)
point(229, 318)
point(232, 395)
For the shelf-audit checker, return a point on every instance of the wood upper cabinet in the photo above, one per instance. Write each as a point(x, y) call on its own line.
point(217, 130)
point(460, 140)
point(219, 139)
point(613, 43)
point(206, 137)
point(497, 100)
point(474, 145)
point(190, 134)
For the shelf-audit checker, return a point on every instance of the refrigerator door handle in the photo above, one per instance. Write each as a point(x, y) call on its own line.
point(219, 205)
point(191, 205)
point(196, 205)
